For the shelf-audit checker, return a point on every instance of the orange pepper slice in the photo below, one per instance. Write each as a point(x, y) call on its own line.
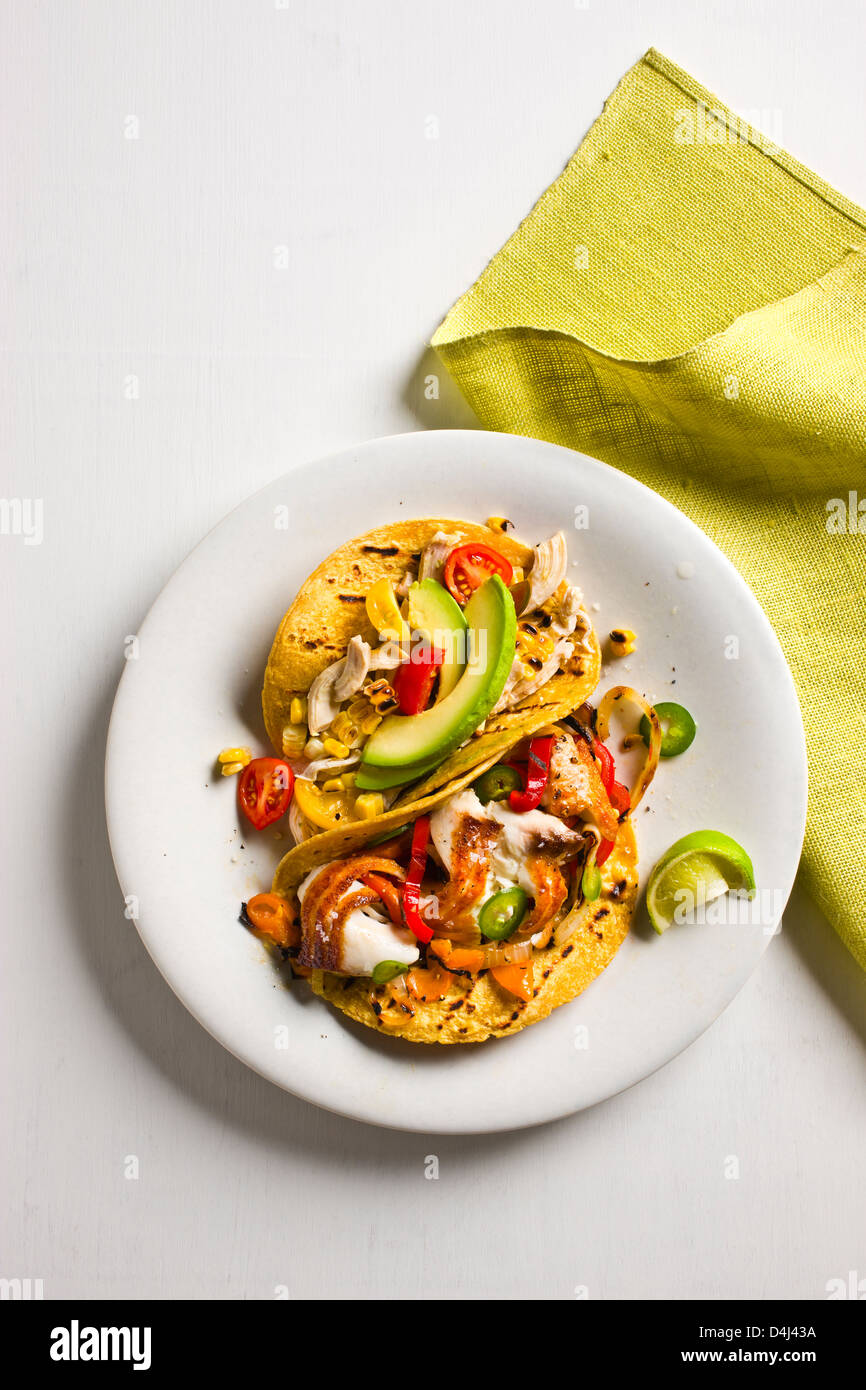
point(429, 985)
point(463, 958)
point(517, 979)
point(271, 915)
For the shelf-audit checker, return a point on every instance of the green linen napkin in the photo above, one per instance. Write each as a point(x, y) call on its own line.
point(688, 303)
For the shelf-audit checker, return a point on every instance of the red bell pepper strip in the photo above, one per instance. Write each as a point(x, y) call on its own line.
point(617, 794)
point(604, 851)
point(537, 773)
point(620, 798)
point(414, 875)
point(605, 757)
point(389, 893)
point(413, 679)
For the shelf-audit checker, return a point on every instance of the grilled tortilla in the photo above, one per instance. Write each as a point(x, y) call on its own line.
point(476, 1007)
point(455, 773)
point(330, 609)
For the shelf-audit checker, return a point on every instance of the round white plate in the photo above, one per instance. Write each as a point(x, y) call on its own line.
point(192, 687)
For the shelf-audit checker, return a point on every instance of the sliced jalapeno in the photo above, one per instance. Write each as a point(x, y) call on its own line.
point(387, 970)
point(497, 783)
point(502, 914)
point(590, 884)
point(678, 729)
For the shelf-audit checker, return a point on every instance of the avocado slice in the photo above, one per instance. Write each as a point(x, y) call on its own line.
point(403, 741)
point(379, 779)
point(435, 614)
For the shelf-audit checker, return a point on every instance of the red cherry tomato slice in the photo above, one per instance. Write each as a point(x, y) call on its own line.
point(414, 679)
point(469, 565)
point(265, 790)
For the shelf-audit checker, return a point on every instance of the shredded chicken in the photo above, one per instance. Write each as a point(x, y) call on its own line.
point(520, 683)
point(355, 668)
point(548, 570)
point(402, 589)
point(387, 657)
point(434, 555)
point(337, 683)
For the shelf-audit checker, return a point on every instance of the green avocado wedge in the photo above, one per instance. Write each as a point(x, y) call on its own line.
point(380, 779)
point(404, 741)
point(436, 615)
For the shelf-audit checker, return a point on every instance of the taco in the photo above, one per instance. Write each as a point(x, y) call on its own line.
point(475, 911)
point(412, 655)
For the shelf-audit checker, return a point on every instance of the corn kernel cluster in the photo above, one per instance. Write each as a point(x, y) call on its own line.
point(381, 696)
point(534, 644)
point(293, 739)
point(345, 730)
point(233, 760)
point(363, 712)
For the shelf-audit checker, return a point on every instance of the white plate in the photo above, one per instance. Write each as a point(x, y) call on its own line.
point(193, 687)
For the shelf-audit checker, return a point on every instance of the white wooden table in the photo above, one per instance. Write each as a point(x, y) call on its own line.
point(229, 227)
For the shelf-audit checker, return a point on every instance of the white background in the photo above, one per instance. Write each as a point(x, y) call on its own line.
point(304, 126)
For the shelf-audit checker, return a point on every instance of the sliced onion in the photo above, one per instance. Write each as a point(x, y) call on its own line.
point(503, 954)
point(612, 700)
point(312, 770)
point(298, 824)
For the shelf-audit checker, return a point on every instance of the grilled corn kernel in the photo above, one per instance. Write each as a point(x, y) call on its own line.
point(313, 748)
point(234, 755)
point(298, 709)
point(499, 523)
point(381, 696)
point(517, 574)
point(622, 641)
point(534, 644)
point(229, 769)
point(346, 730)
point(334, 748)
point(363, 716)
point(369, 804)
point(293, 738)
point(334, 784)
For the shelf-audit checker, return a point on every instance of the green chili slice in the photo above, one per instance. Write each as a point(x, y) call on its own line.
point(497, 783)
point(387, 970)
point(393, 834)
point(590, 884)
point(502, 914)
point(678, 729)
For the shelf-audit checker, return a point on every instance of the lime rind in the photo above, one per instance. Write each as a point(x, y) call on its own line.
point(700, 867)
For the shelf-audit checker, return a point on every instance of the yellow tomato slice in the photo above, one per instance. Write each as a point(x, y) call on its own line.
point(384, 612)
point(324, 809)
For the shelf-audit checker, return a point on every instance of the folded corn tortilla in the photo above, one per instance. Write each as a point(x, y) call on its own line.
point(330, 609)
point(477, 1007)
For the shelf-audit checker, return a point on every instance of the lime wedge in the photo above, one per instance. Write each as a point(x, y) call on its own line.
point(694, 872)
